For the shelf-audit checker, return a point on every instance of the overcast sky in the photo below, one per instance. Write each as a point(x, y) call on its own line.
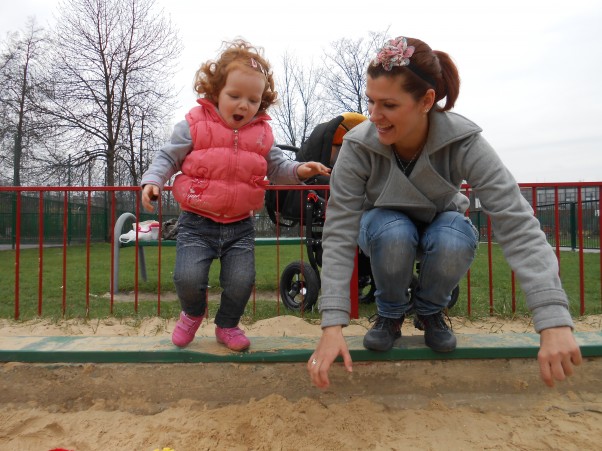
point(530, 70)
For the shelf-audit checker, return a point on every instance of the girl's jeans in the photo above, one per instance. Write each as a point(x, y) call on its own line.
point(445, 247)
point(200, 241)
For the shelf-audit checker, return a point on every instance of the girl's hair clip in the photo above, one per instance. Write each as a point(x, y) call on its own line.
point(257, 65)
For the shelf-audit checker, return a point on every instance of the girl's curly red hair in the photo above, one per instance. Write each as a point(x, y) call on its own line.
point(211, 77)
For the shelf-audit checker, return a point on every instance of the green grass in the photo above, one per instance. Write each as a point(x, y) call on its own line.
point(268, 272)
point(502, 284)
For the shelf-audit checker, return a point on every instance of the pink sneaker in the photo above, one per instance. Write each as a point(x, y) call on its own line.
point(233, 337)
point(186, 327)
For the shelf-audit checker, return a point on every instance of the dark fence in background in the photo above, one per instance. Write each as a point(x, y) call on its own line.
point(57, 208)
point(568, 228)
point(560, 221)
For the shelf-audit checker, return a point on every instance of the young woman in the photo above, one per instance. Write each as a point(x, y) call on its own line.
point(395, 191)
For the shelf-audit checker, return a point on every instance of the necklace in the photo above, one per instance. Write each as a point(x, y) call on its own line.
point(408, 165)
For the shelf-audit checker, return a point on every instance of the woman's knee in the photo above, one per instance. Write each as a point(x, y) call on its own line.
point(451, 232)
point(386, 229)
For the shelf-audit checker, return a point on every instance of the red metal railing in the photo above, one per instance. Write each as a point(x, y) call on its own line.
point(17, 241)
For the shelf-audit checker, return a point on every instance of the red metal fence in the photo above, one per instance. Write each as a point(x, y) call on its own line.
point(57, 218)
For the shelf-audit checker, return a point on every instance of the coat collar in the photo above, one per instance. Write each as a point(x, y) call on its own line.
point(426, 191)
point(444, 129)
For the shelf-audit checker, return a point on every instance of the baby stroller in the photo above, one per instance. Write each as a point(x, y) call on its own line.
point(300, 280)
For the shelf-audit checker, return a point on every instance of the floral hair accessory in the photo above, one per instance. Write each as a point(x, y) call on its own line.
point(257, 65)
point(396, 53)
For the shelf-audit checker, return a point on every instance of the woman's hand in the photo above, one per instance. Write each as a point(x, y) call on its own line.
point(150, 193)
point(311, 168)
point(332, 344)
point(558, 353)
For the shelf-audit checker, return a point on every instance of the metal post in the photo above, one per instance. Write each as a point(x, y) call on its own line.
point(573, 219)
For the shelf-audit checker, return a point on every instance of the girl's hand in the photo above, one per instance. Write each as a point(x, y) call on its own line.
point(311, 168)
point(150, 193)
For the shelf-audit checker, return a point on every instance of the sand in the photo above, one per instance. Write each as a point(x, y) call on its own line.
point(455, 405)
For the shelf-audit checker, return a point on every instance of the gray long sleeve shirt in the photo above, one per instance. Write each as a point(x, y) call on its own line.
point(366, 176)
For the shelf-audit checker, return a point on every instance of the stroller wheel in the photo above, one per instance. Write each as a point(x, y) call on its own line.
point(366, 289)
point(412, 288)
point(454, 297)
point(299, 286)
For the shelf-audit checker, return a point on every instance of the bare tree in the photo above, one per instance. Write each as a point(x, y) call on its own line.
point(144, 122)
point(345, 72)
point(300, 101)
point(20, 128)
point(311, 95)
point(142, 135)
point(110, 80)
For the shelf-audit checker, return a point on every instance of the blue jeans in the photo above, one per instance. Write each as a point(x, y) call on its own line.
point(200, 241)
point(445, 248)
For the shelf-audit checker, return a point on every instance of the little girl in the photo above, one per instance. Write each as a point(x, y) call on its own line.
point(224, 150)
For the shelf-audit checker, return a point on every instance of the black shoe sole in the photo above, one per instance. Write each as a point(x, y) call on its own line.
point(379, 346)
point(442, 349)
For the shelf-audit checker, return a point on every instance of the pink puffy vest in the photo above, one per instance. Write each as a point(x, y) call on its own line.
point(224, 175)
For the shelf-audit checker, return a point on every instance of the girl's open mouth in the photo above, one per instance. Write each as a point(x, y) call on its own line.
point(238, 117)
